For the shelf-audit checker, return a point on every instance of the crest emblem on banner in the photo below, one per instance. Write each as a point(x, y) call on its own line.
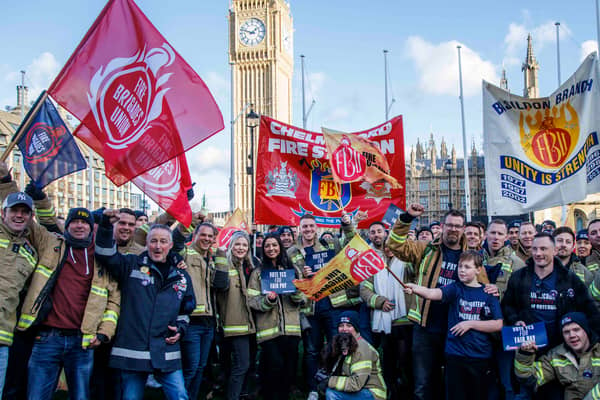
point(282, 182)
point(127, 94)
point(549, 137)
point(43, 142)
point(326, 194)
point(377, 190)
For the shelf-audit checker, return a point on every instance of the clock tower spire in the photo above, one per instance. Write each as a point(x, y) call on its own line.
point(262, 66)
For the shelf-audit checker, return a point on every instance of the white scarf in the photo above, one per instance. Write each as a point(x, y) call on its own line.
point(387, 286)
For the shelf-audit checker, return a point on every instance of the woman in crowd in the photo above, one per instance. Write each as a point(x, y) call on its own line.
point(236, 317)
point(277, 321)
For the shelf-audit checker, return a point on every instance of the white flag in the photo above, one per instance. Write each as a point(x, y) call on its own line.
point(544, 152)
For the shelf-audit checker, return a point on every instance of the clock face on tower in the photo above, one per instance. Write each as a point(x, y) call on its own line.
point(252, 32)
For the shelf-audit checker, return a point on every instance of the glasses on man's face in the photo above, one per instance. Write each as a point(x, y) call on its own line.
point(453, 227)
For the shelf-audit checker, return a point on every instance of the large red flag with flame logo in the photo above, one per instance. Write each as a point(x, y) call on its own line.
point(139, 102)
point(236, 222)
point(168, 185)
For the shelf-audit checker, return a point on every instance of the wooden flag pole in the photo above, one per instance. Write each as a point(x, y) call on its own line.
point(396, 277)
point(21, 130)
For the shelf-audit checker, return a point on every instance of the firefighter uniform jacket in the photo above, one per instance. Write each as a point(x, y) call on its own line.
point(278, 317)
point(150, 303)
point(235, 315)
point(579, 376)
point(509, 261)
point(361, 370)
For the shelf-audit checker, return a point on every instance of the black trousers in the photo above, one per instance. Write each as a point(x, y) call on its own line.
point(467, 378)
point(278, 357)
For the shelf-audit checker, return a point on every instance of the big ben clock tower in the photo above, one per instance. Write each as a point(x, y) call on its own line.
point(262, 64)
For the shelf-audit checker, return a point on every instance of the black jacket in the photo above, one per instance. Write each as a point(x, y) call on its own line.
point(150, 302)
point(572, 296)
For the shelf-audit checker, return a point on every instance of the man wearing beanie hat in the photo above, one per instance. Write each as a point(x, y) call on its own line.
point(360, 376)
point(141, 218)
point(74, 305)
point(574, 363)
point(286, 235)
point(583, 247)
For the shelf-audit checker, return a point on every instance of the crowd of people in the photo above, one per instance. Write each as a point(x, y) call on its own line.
point(117, 301)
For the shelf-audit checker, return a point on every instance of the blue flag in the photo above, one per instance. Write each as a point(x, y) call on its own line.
point(49, 150)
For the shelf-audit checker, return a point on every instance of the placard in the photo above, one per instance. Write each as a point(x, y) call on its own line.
point(317, 260)
point(514, 336)
point(279, 281)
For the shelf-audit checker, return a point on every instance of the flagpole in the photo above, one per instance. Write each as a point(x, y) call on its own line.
point(21, 130)
point(386, 83)
point(597, 23)
point(464, 134)
point(563, 208)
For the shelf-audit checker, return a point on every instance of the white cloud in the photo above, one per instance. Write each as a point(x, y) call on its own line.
point(542, 36)
point(40, 73)
point(437, 67)
point(206, 159)
point(315, 82)
point(587, 47)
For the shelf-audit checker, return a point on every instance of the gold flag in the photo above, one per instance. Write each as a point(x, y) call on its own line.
point(355, 158)
point(355, 263)
point(236, 222)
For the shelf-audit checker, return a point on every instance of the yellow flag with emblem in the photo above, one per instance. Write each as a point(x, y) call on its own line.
point(355, 263)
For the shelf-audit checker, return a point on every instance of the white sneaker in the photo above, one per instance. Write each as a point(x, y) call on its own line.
point(313, 396)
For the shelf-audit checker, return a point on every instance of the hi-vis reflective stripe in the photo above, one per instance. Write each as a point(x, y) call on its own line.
point(594, 291)
point(145, 228)
point(373, 301)
point(581, 276)
point(220, 260)
point(4, 243)
point(6, 337)
point(341, 383)
point(191, 252)
point(138, 355)
point(45, 212)
point(297, 257)
point(539, 373)
point(592, 267)
point(267, 332)
point(99, 291)
point(506, 267)
point(595, 392)
point(357, 366)
point(368, 285)
point(110, 315)
point(523, 369)
point(26, 255)
point(397, 238)
point(338, 298)
point(292, 329)
point(253, 292)
point(595, 362)
point(86, 340)
point(378, 393)
point(235, 328)
point(25, 321)
point(558, 362)
point(233, 272)
point(43, 270)
point(200, 308)
point(415, 314)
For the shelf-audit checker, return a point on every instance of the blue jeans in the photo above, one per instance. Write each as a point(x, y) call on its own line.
point(195, 349)
point(52, 351)
point(428, 358)
point(3, 365)
point(364, 394)
point(133, 383)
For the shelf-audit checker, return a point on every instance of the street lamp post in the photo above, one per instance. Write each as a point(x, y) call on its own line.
point(448, 167)
point(252, 121)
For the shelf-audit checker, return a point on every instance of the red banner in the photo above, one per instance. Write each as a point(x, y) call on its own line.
point(139, 102)
point(293, 176)
point(167, 185)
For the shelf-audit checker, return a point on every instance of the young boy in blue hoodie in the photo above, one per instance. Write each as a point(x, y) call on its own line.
point(473, 315)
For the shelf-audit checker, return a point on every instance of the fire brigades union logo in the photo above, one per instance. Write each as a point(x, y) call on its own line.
point(43, 142)
point(549, 136)
point(348, 163)
point(164, 180)
point(126, 94)
point(364, 264)
point(326, 194)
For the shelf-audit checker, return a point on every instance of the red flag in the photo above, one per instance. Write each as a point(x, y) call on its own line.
point(139, 102)
point(167, 185)
point(236, 222)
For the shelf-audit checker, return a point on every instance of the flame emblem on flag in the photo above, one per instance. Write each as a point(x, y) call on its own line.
point(164, 180)
point(549, 137)
point(127, 94)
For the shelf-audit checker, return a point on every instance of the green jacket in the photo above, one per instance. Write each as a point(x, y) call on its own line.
point(274, 318)
point(510, 263)
point(561, 364)
point(360, 369)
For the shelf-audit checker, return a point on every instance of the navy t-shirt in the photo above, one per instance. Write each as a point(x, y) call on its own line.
point(437, 320)
point(542, 300)
point(469, 304)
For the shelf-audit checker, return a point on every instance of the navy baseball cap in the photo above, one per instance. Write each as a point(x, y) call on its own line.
point(14, 199)
point(582, 235)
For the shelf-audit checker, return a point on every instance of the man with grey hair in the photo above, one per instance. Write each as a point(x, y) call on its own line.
point(157, 298)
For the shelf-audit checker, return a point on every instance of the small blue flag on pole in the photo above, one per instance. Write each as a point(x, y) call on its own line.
point(49, 150)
